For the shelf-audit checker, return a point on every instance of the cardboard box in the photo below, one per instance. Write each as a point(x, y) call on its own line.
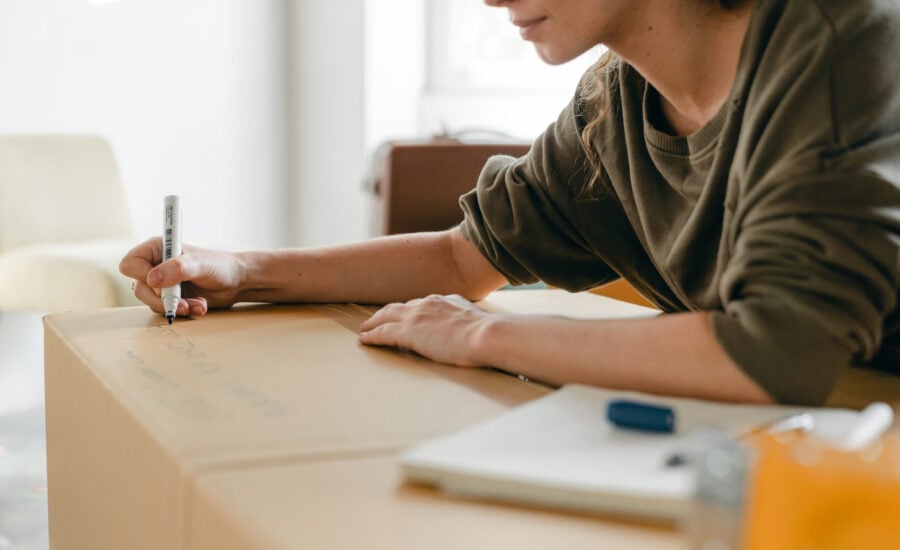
point(271, 427)
point(361, 503)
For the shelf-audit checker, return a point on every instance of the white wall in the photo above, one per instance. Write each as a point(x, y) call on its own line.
point(260, 113)
point(328, 158)
point(395, 72)
point(191, 93)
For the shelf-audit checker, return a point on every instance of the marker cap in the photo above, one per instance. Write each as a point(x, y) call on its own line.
point(640, 416)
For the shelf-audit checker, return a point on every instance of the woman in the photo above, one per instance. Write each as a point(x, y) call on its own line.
point(738, 162)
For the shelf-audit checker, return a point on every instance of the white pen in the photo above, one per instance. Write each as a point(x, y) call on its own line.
point(171, 248)
point(871, 423)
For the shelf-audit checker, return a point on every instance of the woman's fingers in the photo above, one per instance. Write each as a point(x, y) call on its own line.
point(438, 327)
point(168, 273)
point(141, 259)
point(148, 295)
point(385, 334)
point(388, 313)
point(196, 306)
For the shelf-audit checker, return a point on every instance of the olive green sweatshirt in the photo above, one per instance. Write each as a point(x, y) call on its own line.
point(780, 217)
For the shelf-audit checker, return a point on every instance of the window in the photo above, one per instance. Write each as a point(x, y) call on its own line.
point(474, 48)
point(481, 76)
point(457, 66)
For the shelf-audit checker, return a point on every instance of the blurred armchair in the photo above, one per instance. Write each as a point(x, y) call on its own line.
point(64, 224)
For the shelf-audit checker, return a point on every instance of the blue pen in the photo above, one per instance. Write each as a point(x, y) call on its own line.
point(634, 415)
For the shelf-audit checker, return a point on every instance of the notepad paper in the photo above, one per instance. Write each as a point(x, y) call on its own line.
point(560, 451)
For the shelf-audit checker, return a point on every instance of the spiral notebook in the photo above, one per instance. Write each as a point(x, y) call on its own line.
point(560, 451)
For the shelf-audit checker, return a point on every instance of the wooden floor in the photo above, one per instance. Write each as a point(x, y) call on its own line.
point(23, 465)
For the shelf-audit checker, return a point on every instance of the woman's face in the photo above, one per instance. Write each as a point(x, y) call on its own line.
point(562, 30)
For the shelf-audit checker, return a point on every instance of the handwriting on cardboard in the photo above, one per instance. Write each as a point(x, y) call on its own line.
point(193, 382)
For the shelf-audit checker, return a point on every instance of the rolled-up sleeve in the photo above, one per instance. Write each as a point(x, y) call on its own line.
point(521, 213)
point(811, 286)
point(815, 273)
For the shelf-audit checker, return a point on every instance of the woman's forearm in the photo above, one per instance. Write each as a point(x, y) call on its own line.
point(381, 270)
point(674, 354)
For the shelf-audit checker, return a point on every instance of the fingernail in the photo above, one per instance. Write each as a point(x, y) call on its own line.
point(154, 278)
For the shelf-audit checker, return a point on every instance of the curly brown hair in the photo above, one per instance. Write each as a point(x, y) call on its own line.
point(595, 92)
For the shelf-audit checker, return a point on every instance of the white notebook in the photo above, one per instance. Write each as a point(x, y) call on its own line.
point(560, 451)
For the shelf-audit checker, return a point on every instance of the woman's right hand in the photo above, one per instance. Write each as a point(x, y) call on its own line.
point(209, 278)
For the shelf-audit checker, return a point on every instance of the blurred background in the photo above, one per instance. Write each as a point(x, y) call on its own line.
point(262, 114)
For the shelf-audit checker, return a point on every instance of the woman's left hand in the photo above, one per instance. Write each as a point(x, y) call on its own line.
point(442, 328)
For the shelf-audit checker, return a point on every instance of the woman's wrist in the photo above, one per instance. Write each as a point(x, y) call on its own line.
point(251, 276)
point(485, 340)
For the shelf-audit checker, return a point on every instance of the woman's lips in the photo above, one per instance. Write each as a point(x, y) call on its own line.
point(528, 27)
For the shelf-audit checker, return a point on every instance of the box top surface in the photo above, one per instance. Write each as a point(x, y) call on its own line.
point(264, 381)
point(261, 381)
